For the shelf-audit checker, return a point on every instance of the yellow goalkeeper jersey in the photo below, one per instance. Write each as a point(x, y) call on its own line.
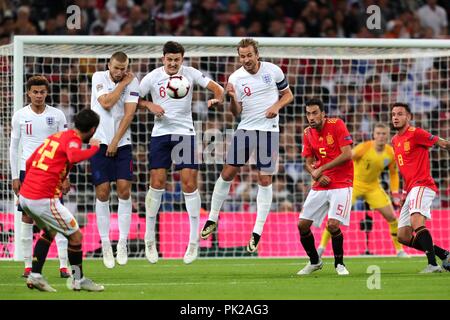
point(369, 164)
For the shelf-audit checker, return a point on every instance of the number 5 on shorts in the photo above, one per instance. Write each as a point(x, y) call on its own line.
point(340, 210)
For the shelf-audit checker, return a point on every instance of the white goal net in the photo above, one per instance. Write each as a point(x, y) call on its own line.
point(357, 80)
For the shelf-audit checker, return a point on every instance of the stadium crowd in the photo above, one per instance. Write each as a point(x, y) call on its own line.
point(240, 18)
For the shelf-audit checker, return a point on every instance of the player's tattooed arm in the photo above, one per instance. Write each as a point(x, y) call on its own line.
point(235, 107)
point(286, 98)
point(444, 144)
point(218, 90)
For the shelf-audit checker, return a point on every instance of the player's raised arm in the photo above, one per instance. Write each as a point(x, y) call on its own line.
point(218, 91)
point(444, 144)
point(130, 105)
point(117, 65)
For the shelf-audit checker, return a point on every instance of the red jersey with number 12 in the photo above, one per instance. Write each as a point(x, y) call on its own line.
point(50, 163)
point(412, 157)
point(325, 146)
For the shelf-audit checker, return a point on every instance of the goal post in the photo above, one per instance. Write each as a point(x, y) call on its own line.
point(358, 79)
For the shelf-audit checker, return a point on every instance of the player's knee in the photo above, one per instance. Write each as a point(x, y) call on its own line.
point(404, 236)
point(158, 182)
point(189, 186)
point(102, 195)
point(303, 227)
point(124, 194)
point(26, 218)
point(264, 180)
point(228, 173)
point(333, 225)
point(76, 238)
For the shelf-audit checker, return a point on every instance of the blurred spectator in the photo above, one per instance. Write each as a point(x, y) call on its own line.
point(395, 29)
point(433, 16)
point(65, 105)
point(106, 23)
point(171, 17)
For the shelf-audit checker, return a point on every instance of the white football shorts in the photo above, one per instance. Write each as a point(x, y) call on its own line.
point(337, 203)
point(418, 200)
point(50, 214)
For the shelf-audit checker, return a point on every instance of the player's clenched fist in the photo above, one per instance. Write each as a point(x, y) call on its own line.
point(129, 76)
point(229, 90)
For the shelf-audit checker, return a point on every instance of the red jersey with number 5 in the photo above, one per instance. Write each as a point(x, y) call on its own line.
point(412, 157)
point(325, 146)
point(50, 163)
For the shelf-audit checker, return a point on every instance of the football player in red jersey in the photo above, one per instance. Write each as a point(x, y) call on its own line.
point(39, 196)
point(328, 152)
point(411, 146)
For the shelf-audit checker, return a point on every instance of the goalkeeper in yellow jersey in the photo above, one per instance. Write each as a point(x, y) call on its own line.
point(370, 159)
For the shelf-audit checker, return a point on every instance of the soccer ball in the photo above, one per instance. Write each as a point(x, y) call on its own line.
point(178, 87)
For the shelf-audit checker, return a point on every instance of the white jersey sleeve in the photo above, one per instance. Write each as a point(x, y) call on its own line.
point(99, 87)
point(14, 146)
point(62, 123)
point(132, 92)
point(146, 84)
point(198, 77)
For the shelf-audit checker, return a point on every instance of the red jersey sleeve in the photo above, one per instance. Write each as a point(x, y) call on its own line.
point(344, 137)
point(424, 138)
point(76, 154)
point(306, 151)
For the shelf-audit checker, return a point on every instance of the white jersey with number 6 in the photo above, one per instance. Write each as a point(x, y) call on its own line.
point(177, 118)
point(110, 119)
point(31, 129)
point(257, 93)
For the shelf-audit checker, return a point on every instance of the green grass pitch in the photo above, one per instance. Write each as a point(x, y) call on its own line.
point(237, 279)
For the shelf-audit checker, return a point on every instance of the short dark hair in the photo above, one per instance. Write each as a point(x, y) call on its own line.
point(247, 42)
point(173, 47)
point(86, 119)
point(315, 102)
point(119, 56)
point(38, 81)
point(402, 104)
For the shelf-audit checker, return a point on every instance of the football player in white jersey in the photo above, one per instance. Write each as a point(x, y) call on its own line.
point(30, 126)
point(258, 90)
point(173, 131)
point(115, 94)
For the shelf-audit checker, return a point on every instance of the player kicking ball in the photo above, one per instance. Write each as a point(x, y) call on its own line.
point(39, 196)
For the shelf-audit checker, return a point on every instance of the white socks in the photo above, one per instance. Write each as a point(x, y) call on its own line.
point(152, 203)
point(103, 214)
point(220, 193)
point(124, 217)
point(61, 245)
point(27, 243)
point(193, 204)
point(263, 204)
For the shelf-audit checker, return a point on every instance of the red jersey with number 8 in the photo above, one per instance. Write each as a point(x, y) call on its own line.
point(412, 157)
point(50, 163)
point(325, 146)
